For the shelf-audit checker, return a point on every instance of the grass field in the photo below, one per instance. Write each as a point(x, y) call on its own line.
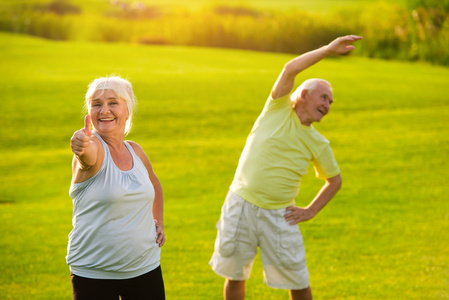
point(383, 237)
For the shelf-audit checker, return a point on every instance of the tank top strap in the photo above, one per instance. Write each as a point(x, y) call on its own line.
point(107, 154)
point(108, 158)
point(131, 150)
point(137, 162)
point(106, 148)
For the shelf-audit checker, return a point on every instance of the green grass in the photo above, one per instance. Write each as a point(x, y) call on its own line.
point(383, 237)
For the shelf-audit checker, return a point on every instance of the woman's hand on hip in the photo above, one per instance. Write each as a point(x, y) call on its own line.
point(160, 240)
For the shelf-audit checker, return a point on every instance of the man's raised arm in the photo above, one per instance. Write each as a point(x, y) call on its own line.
point(286, 80)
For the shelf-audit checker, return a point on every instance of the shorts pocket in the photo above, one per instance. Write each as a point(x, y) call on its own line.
point(228, 224)
point(291, 246)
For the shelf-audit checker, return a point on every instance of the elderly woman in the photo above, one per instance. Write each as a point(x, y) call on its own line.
point(114, 247)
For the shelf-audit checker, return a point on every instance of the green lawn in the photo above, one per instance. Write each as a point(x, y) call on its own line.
point(383, 237)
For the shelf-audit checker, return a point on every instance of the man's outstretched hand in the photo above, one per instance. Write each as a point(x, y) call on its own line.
point(342, 44)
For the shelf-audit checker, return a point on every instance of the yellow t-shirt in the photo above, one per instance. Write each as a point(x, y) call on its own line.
point(277, 154)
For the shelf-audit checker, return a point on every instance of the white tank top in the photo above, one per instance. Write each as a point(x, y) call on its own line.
point(113, 236)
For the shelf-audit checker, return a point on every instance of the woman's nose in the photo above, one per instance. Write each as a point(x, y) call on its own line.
point(104, 109)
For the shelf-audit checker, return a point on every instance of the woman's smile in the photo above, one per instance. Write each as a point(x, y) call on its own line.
point(109, 111)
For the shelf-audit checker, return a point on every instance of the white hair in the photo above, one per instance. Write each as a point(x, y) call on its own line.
point(122, 89)
point(310, 85)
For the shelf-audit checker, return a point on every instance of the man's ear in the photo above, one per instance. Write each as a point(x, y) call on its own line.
point(304, 93)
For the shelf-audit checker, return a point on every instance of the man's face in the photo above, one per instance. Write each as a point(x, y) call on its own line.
point(317, 104)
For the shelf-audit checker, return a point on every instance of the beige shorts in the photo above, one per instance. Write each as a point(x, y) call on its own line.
point(242, 228)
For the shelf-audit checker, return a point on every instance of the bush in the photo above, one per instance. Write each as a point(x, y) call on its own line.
point(48, 26)
point(420, 32)
point(138, 12)
point(429, 27)
point(235, 11)
point(59, 7)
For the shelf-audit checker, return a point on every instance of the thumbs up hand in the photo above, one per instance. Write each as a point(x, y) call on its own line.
point(87, 125)
point(80, 140)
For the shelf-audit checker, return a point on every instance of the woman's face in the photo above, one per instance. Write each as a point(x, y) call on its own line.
point(109, 113)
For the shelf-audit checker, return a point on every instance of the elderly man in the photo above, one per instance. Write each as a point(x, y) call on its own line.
point(259, 210)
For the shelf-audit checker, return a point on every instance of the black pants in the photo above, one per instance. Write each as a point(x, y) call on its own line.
point(147, 286)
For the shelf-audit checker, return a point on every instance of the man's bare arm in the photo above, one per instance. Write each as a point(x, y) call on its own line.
point(295, 214)
point(286, 80)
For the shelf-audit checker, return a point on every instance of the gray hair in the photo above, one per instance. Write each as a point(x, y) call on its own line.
point(122, 89)
point(310, 85)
